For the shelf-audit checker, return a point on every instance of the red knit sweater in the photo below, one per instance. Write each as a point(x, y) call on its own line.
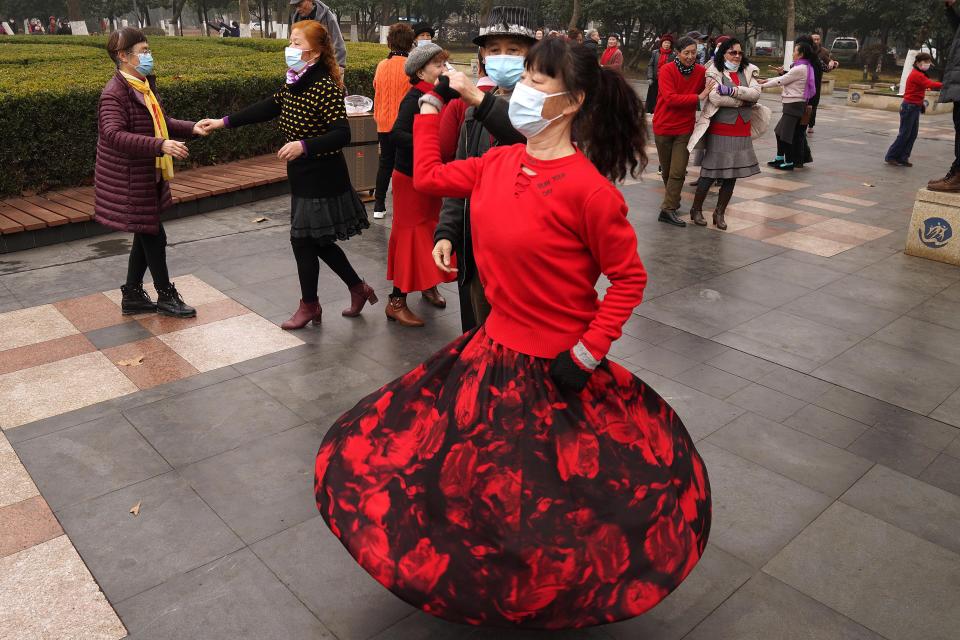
point(541, 244)
point(677, 102)
point(917, 85)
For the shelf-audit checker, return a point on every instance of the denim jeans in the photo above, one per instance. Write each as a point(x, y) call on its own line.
point(902, 147)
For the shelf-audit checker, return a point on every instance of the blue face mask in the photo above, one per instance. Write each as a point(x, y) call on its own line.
point(293, 58)
point(731, 66)
point(145, 67)
point(505, 71)
point(526, 110)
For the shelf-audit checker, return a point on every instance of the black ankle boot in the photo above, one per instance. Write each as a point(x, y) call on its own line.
point(670, 217)
point(169, 303)
point(135, 300)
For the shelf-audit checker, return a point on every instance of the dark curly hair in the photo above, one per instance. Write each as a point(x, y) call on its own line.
point(719, 60)
point(610, 127)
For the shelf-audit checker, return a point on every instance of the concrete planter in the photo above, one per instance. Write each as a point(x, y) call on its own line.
point(885, 101)
point(826, 86)
point(934, 227)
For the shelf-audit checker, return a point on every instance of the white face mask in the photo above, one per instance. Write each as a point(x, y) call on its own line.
point(731, 66)
point(526, 110)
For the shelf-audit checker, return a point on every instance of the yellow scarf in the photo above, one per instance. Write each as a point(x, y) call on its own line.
point(164, 162)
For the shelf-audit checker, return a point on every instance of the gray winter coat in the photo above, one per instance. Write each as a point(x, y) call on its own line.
point(951, 73)
point(322, 14)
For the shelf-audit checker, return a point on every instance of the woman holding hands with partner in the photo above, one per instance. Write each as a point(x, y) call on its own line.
point(135, 152)
point(325, 208)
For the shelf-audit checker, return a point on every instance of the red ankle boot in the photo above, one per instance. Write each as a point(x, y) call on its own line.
point(305, 313)
point(360, 294)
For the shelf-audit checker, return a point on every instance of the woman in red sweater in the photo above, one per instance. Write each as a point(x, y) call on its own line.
point(517, 478)
point(683, 85)
point(910, 109)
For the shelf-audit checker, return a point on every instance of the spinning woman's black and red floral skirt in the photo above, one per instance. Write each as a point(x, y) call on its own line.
point(474, 489)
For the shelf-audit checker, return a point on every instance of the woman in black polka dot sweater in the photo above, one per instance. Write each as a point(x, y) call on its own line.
point(325, 208)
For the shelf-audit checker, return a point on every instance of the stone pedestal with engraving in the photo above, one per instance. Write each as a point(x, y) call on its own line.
point(934, 231)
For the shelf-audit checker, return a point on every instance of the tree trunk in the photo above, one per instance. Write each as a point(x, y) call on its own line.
point(791, 20)
point(386, 11)
point(485, 7)
point(73, 11)
point(575, 16)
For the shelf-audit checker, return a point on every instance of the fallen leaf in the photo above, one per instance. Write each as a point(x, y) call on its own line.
point(867, 184)
point(134, 362)
point(261, 219)
point(135, 509)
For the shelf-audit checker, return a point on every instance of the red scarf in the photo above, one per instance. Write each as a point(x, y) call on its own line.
point(424, 86)
point(664, 56)
point(608, 55)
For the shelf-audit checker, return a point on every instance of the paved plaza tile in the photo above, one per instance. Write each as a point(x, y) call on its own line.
point(156, 474)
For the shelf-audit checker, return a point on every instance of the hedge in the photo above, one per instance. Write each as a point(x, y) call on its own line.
point(49, 88)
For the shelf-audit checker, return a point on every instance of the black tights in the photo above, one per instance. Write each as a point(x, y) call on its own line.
point(308, 258)
point(148, 251)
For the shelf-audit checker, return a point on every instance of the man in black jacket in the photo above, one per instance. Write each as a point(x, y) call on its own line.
point(504, 43)
point(951, 93)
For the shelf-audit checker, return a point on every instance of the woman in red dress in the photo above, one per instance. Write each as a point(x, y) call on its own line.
point(517, 478)
point(415, 213)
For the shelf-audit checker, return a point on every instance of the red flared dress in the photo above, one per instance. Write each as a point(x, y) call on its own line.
point(410, 262)
point(474, 487)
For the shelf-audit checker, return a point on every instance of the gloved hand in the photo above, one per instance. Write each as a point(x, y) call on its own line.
point(444, 90)
point(724, 90)
point(568, 373)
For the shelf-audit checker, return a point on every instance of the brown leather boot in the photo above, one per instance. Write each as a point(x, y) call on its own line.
point(723, 199)
point(360, 294)
point(950, 183)
point(398, 311)
point(432, 295)
point(306, 312)
point(943, 179)
point(697, 216)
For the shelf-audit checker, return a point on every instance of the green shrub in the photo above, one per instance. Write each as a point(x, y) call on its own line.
point(49, 94)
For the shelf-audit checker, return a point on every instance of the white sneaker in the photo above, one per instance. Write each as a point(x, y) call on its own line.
point(379, 215)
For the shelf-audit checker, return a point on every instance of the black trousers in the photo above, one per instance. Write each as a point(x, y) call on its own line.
point(956, 138)
point(148, 251)
point(308, 257)
point(388, 157)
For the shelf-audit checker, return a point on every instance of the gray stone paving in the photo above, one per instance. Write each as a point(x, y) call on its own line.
point(824, 394)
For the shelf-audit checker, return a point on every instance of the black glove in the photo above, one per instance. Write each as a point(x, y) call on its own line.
point(568, 374)
point(444, 90)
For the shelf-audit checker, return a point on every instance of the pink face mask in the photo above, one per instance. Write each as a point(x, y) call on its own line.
point(924, 66)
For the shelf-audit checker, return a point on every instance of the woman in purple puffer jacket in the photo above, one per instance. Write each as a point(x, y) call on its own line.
point(135, 152)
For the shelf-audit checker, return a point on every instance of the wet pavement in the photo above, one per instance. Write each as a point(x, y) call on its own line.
point(816, 365)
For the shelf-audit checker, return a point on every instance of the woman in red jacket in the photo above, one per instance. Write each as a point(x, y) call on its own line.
point(517, 478)
point(415, 214)
point(917, 85)
point(135, 152)
point(683, 85)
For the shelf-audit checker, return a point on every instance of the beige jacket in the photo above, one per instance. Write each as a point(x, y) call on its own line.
point(750, 94)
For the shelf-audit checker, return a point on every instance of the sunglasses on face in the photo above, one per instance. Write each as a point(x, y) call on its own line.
point(735, 54)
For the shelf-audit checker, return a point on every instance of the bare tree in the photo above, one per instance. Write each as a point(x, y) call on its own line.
point(575, 16)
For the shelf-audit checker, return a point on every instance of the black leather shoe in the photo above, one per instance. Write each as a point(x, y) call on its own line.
point(135, 300)
point(670, 217)
point(169, 303)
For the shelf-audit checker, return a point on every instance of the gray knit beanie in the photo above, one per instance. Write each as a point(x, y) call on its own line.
point(419, 57)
